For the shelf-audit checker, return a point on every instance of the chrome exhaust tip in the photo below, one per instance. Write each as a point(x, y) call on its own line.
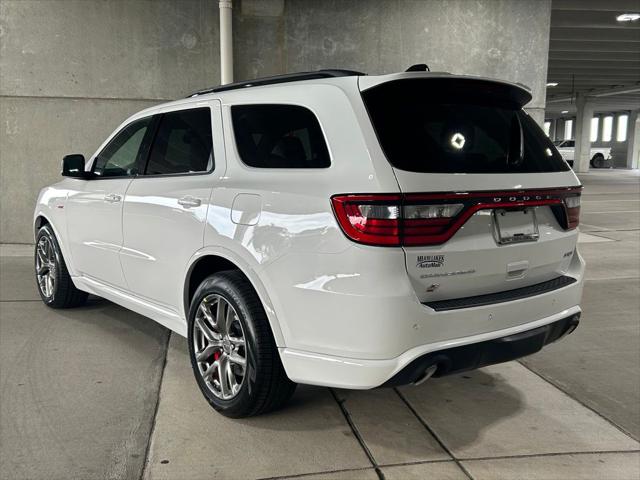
point(575, 321)
point(428, 373)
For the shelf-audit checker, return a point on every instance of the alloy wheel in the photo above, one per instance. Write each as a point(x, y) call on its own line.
point(46, 266)
point(219, 346)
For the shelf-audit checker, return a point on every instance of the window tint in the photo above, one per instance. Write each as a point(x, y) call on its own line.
point(118, 158)
point(182, 144)
point(458, 126)
point(279, 136)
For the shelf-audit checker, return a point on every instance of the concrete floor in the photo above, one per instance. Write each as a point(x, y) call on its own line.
point(100, 392)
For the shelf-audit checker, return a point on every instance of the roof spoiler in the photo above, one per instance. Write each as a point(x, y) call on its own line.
point(459, 85)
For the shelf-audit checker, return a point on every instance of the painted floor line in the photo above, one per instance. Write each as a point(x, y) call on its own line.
point(444, 460)
point(611, 211)
point(426, 426)
point(600, 279)
point(605, 201)
point(356, 433)
point(152, 431)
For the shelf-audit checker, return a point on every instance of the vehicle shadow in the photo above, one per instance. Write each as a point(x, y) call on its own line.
point(460, 408)
point(457, 409)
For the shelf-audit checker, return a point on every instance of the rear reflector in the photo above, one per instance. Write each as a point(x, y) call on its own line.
point(433, 218)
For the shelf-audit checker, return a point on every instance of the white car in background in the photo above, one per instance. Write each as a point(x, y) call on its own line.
point(328, 228)
point(600, 156)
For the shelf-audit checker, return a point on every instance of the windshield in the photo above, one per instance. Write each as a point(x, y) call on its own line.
point(458, 126)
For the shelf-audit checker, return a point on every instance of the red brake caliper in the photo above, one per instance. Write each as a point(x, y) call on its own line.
point(216, 356)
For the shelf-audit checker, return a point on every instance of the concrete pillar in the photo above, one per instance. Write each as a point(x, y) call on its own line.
point(552, 128)
point(633, 140)
point(559, 129)
point(226, 41)
point(537, 114)
point(582, 129)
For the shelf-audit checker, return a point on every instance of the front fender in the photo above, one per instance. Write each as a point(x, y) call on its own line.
point(50, 208)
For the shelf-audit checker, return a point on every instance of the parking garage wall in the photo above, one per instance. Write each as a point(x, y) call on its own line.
point(72, 70)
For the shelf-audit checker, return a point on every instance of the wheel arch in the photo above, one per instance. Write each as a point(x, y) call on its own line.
point(39, 222)
point(207, 262)
point(41, 219)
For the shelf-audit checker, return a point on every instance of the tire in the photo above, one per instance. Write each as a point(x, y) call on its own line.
point(52, 277)
point(217, 348)
point(598, 161)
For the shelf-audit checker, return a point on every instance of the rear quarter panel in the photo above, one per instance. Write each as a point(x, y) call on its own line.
point(262, 215)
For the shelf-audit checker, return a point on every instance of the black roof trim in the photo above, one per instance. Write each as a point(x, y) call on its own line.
point(289, 77)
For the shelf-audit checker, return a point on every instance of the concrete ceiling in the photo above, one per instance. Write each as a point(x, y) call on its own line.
point(593, 54)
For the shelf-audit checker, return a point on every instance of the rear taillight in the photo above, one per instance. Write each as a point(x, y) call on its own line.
point(432, 219)
point(369, 219)
point(572, 208)
point(427, 224)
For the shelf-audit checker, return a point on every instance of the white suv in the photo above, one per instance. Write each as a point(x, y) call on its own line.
point(327, 228)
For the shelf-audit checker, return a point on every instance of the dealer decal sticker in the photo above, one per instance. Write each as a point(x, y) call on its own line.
point(430, 261)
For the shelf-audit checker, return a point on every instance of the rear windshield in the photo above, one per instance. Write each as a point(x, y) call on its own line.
point(458, 126)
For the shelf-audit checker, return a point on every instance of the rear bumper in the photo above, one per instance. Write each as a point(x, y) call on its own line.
point(453, 355)
point(481, 354)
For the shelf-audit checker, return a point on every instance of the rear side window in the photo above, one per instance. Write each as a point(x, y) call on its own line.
point(183, 143)
point(279, 136)
point(458, 126)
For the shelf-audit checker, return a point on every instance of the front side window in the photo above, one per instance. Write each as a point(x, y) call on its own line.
point(119, 157)
point(458, 126)
point(182, 144)
point(279, 136)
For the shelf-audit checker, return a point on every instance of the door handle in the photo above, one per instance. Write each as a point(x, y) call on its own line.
point(189, 201)
point(112, 198)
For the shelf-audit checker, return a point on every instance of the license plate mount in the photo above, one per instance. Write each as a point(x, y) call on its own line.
point(515, 226)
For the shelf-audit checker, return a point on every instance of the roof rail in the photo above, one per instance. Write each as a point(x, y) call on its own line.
point(289, 77)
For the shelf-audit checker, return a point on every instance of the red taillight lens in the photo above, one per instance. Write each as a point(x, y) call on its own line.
point(432, 219)
point(369, 219)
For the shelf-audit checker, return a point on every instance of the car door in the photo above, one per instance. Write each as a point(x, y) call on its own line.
point(94, 209)
point(166, 206)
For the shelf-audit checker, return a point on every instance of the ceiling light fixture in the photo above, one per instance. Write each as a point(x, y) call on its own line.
point(564, 111)
point(628, 17)
point(552, 84)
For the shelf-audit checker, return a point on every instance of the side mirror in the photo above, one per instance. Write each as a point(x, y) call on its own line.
point(73, 166)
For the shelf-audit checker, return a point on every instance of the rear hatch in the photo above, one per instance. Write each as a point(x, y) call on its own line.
point(487, 202)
